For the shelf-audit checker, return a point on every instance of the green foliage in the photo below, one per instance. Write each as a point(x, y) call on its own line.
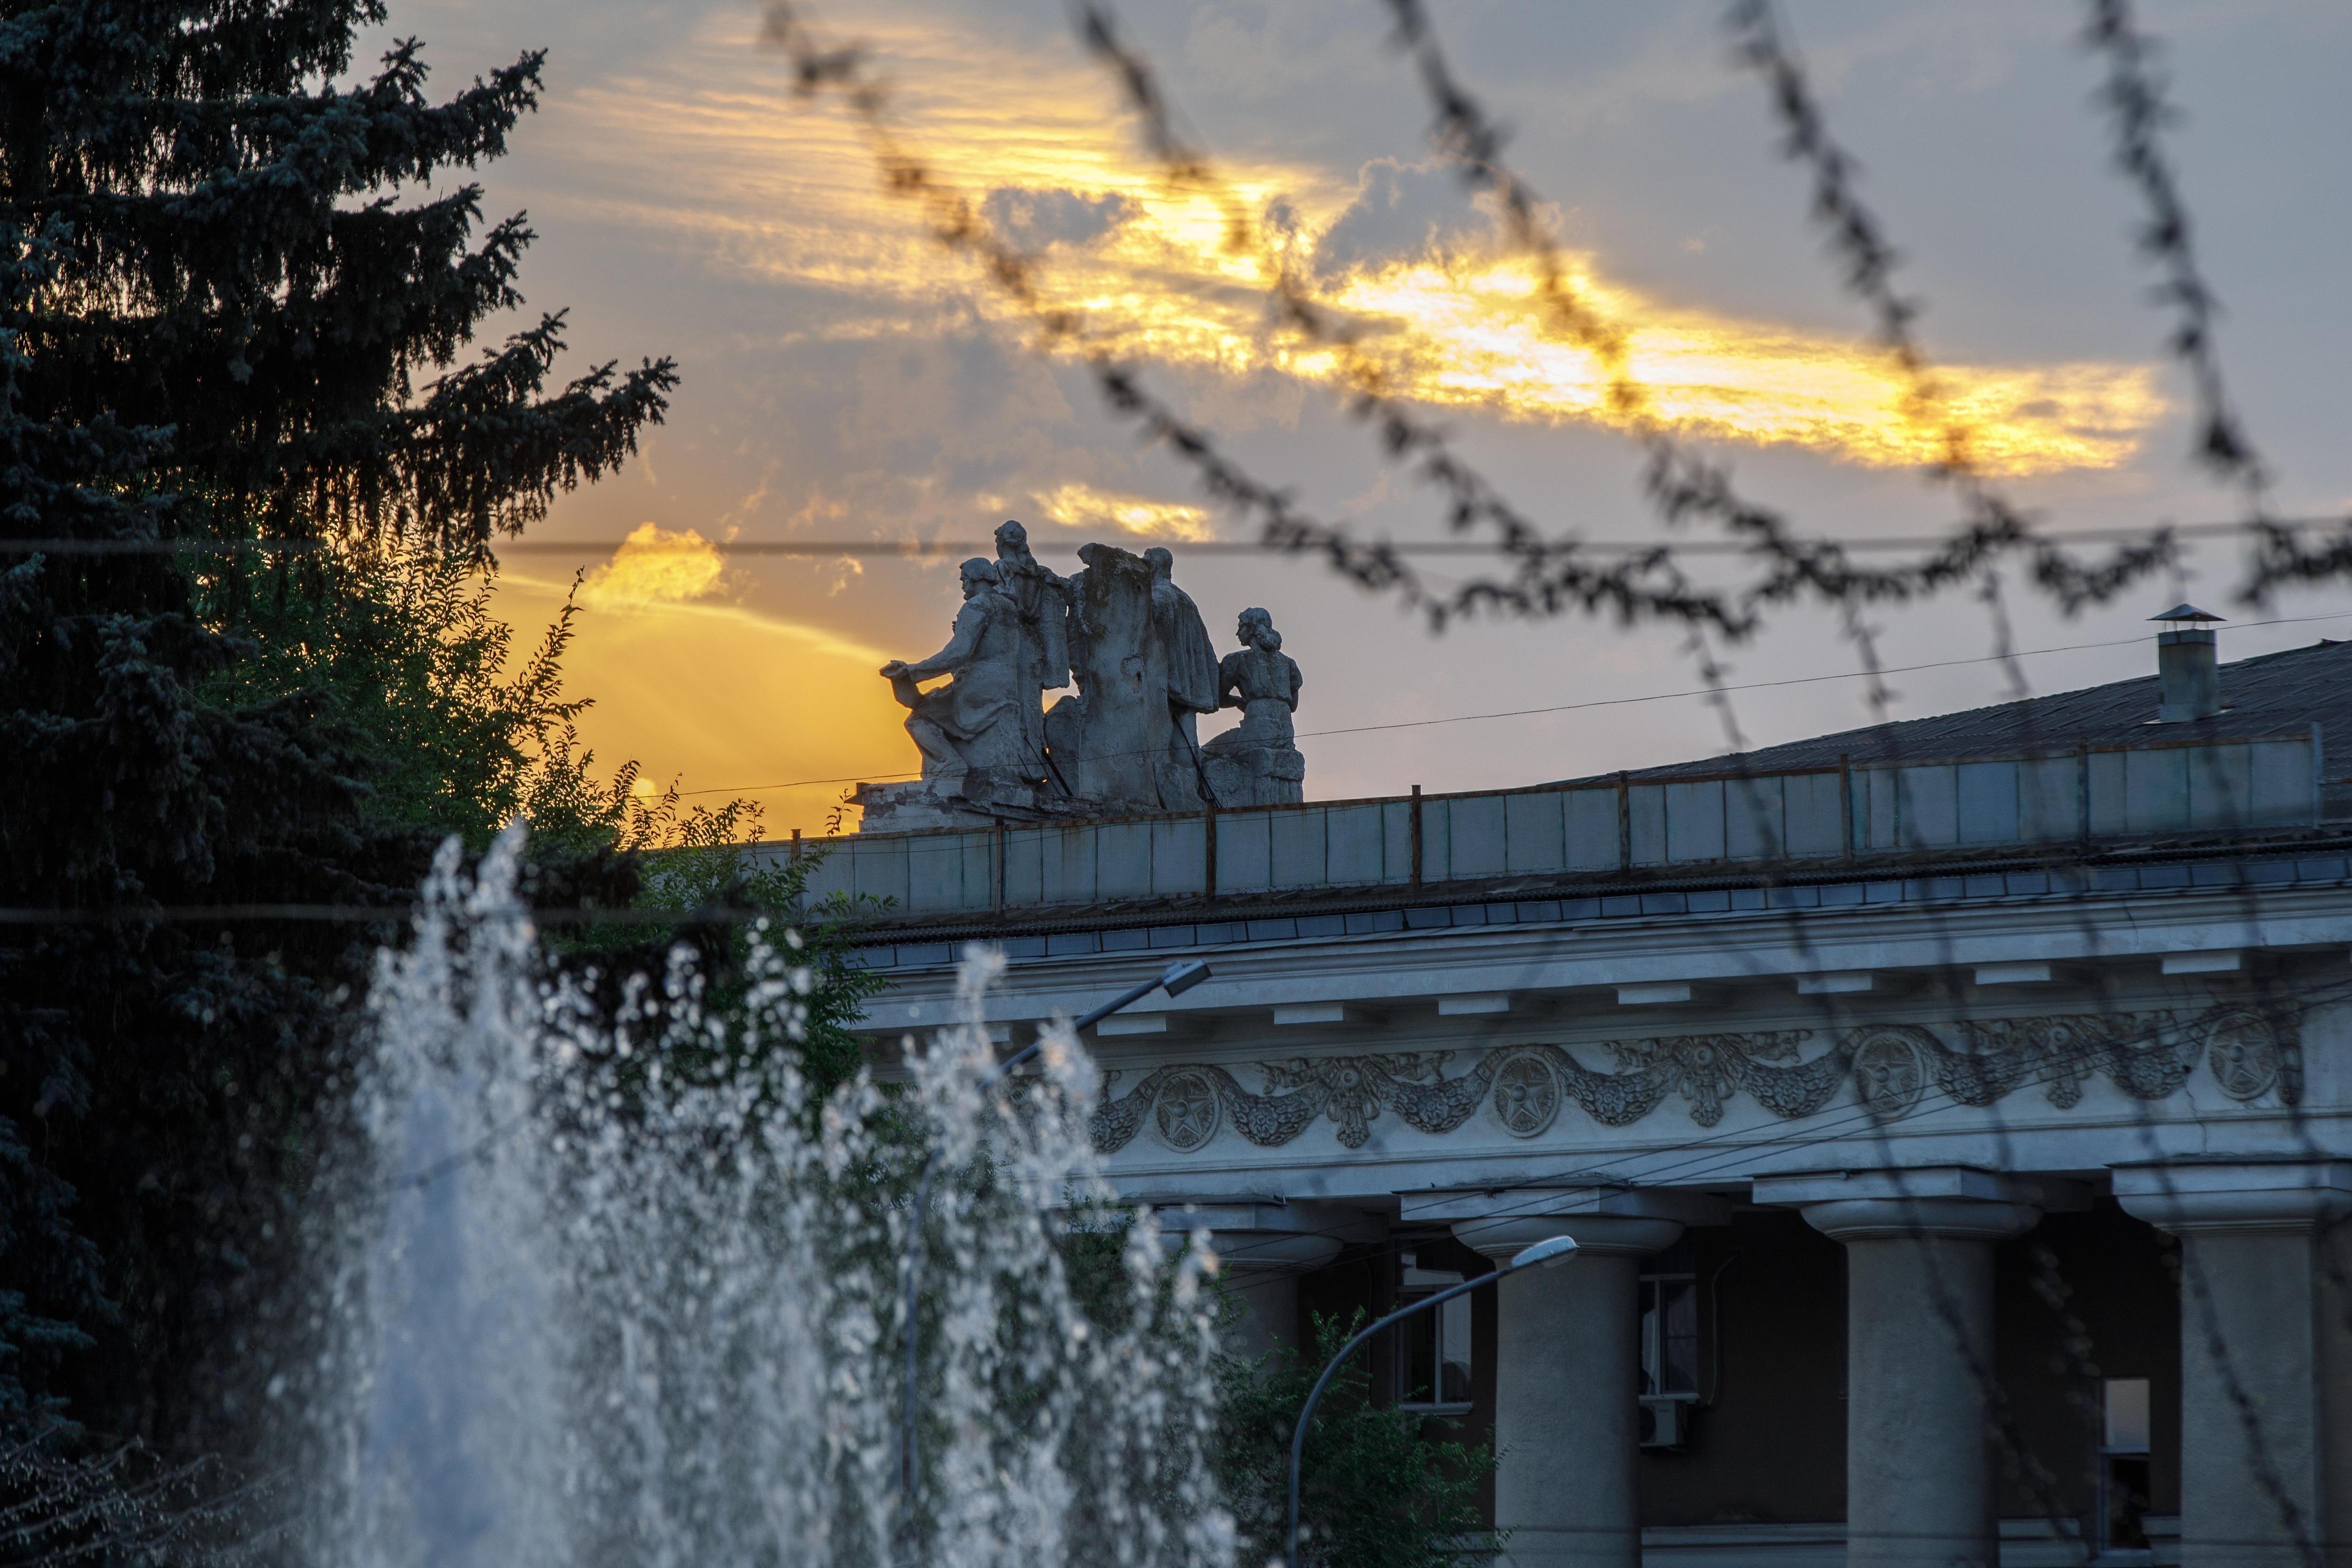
point(149, 1069)
point(1374, 1492)
point(398, 644)
point(232, 301)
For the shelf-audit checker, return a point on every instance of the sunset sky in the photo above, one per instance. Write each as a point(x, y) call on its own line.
point(846, 379)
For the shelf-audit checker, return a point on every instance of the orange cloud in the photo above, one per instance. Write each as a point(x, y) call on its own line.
point(1083, 506)
point(654, 566)
point(786, 189)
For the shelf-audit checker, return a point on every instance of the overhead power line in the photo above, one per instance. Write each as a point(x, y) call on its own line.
point(1709, 691)
point(367, 914)
point(920, 548)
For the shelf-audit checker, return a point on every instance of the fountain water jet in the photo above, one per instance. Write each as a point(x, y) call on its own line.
point(620, 1294)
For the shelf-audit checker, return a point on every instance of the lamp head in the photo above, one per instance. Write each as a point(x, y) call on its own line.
point(1551, 1254)
point(1182, 977)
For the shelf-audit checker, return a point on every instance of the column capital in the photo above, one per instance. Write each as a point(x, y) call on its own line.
point(1597, 1235)
point(1951, 1219)
point(1603, 1220)
point(1261, 1234)
point(2240, 1195)
point(1271, 1251)
point(1958, 1203)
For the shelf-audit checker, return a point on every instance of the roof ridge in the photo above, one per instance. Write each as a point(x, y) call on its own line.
point(2111, 710)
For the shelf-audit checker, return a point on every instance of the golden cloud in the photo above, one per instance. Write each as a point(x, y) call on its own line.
point(654, 566)
point(712, 144)
point(1083, 506)
point(1473, 333)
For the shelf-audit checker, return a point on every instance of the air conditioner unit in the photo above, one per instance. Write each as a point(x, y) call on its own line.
point(1665, 1423)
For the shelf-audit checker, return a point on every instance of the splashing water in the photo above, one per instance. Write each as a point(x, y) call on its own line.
point(619, 1293)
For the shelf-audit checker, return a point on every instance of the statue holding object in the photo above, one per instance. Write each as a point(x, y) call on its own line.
point(1126, 742)
point(971, 732)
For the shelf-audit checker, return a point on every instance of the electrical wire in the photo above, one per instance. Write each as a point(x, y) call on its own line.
point(924, 549)
point(1609, 701)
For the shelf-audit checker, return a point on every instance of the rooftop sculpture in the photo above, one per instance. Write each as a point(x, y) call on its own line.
point(1257, 763)
point(975, 733)
point(1126, 742)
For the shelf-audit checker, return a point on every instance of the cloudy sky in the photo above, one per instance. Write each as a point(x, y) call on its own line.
point(846, 379)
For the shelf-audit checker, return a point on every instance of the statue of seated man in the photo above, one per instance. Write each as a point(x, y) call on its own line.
point(973, 725)
point(1257, 763)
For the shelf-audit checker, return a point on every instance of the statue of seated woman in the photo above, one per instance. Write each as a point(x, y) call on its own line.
point(1257, 763)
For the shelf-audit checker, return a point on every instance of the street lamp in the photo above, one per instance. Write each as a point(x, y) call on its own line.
point(1176, 979)
point(1550, 1254)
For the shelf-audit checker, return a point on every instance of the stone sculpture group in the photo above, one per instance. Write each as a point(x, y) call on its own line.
point(1129, 740)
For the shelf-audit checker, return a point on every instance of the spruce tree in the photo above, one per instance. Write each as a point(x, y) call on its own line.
point(236, 325)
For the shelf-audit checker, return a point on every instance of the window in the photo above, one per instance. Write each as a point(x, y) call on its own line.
point(1669, 1359)
point(1670, 1335)
point(1433, 1359)
point(2123, 1466)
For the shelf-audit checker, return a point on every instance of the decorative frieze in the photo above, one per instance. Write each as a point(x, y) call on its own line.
point(1891, 1067)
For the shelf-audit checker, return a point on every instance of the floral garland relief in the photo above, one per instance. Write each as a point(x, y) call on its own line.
point(1891, 1066)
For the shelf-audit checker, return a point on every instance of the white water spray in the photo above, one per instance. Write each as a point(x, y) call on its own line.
point(619, 1295)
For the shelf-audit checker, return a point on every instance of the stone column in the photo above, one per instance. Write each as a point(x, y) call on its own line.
point(1261, 1272)
point(2335, 1247)
point(1263, 1246)
point(2259, 1351)
point(1919, 1485)
point(1567, 1363)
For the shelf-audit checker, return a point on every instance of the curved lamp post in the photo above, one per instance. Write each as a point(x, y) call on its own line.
point(1550, 1254)
point(1176, 979)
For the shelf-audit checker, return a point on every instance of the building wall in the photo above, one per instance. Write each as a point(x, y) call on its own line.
point(1768, 1443)
point(2081, 1296)
point(2115, 1286)
point(1678, 1066)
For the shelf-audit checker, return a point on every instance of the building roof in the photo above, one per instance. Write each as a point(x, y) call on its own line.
point(2273, 694)
point(1572, 851)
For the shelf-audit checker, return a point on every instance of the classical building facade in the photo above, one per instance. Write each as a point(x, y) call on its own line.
point(1954, 1118)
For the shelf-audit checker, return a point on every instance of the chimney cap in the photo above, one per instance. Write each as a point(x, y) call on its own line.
point(2185, 612)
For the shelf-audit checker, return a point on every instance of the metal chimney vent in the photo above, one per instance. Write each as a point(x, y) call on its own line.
point(2188, 663)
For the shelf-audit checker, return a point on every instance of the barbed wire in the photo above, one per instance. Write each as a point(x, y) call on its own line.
point(2004, 1425)
point(1943, 1297)
point(1551, 574)
point(1870, 262)
point(1857, 239)
point(125, 1503)
point(923, 548)
point(957, 224)
point(2136, 98)
point(1682, 484)
point(1686, 487)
